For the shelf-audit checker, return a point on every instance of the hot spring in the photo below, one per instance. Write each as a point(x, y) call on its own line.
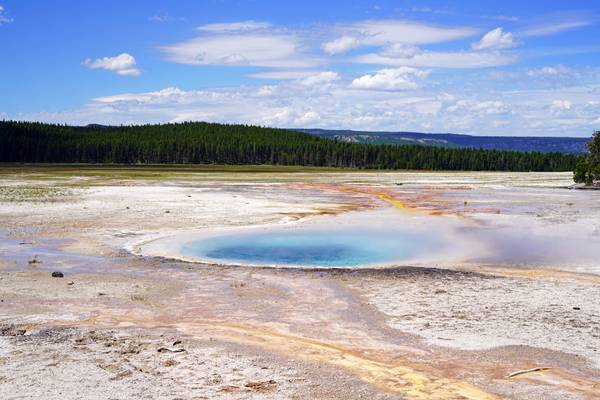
point(313, 247)
point(383, 238)
point(363, 239)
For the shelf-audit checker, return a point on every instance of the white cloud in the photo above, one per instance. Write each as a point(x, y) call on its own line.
point(307, 119)
point(289, 104)
point(291, 51)
point(403, 78)
point(123, 64)
point(496, 39)
point(431, 59)
point(242, 49)
point(235, 26)
point(548, 71)
point(341, 45)
point(160, 96)
point(3, 18)
point(562, 105)
point(490, 107)
point(322, 78)
point(387, 32)
point(509, 18)
point(479, 108)
point(400, 50)
point(283, 74)
point(553, 28)
point(164, 18)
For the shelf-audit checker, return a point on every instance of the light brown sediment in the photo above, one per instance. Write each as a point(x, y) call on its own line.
point(386, 375)
point(529, 273)
point(397, 376)
point(563, 379)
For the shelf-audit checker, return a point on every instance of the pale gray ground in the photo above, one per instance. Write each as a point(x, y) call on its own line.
point(337, 335)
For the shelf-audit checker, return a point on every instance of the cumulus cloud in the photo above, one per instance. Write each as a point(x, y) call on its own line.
point(496, 39)
point(4, 19)
point(403, 78)
point(123, 64)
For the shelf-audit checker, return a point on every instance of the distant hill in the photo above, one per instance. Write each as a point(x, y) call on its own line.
point(451, 140)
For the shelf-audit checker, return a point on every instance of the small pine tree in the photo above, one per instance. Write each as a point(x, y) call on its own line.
point(588, 169)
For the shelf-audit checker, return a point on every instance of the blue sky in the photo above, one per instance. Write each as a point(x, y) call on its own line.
point(480, 67)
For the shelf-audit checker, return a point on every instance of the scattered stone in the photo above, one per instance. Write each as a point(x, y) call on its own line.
point(170, 363)
point(577, 308)
point(167, 211)
point(57, 274)
point(71, 283)
point(265, 386)
point(35, 262)
point(230, 389)
point(11, 330)
point(164, 350)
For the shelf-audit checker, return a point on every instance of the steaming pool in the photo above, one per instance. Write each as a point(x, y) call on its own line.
point(367, 239)
point(312, 247)
point(385, 238)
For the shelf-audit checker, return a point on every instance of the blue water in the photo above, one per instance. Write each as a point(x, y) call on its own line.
point(323, 248)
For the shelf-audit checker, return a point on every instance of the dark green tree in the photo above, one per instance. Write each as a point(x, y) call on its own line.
point(587, 169)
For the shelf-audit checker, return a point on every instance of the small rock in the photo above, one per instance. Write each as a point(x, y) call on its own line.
point(57, 274)
point(577, 308)
point(71, 283)
point(170, 363)
point(167, 212)
point(35, 262)
point(165, 350)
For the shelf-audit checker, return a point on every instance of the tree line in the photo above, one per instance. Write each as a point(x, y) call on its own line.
point(209, 143)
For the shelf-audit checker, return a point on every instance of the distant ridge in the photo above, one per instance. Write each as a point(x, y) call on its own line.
point(453, 140)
